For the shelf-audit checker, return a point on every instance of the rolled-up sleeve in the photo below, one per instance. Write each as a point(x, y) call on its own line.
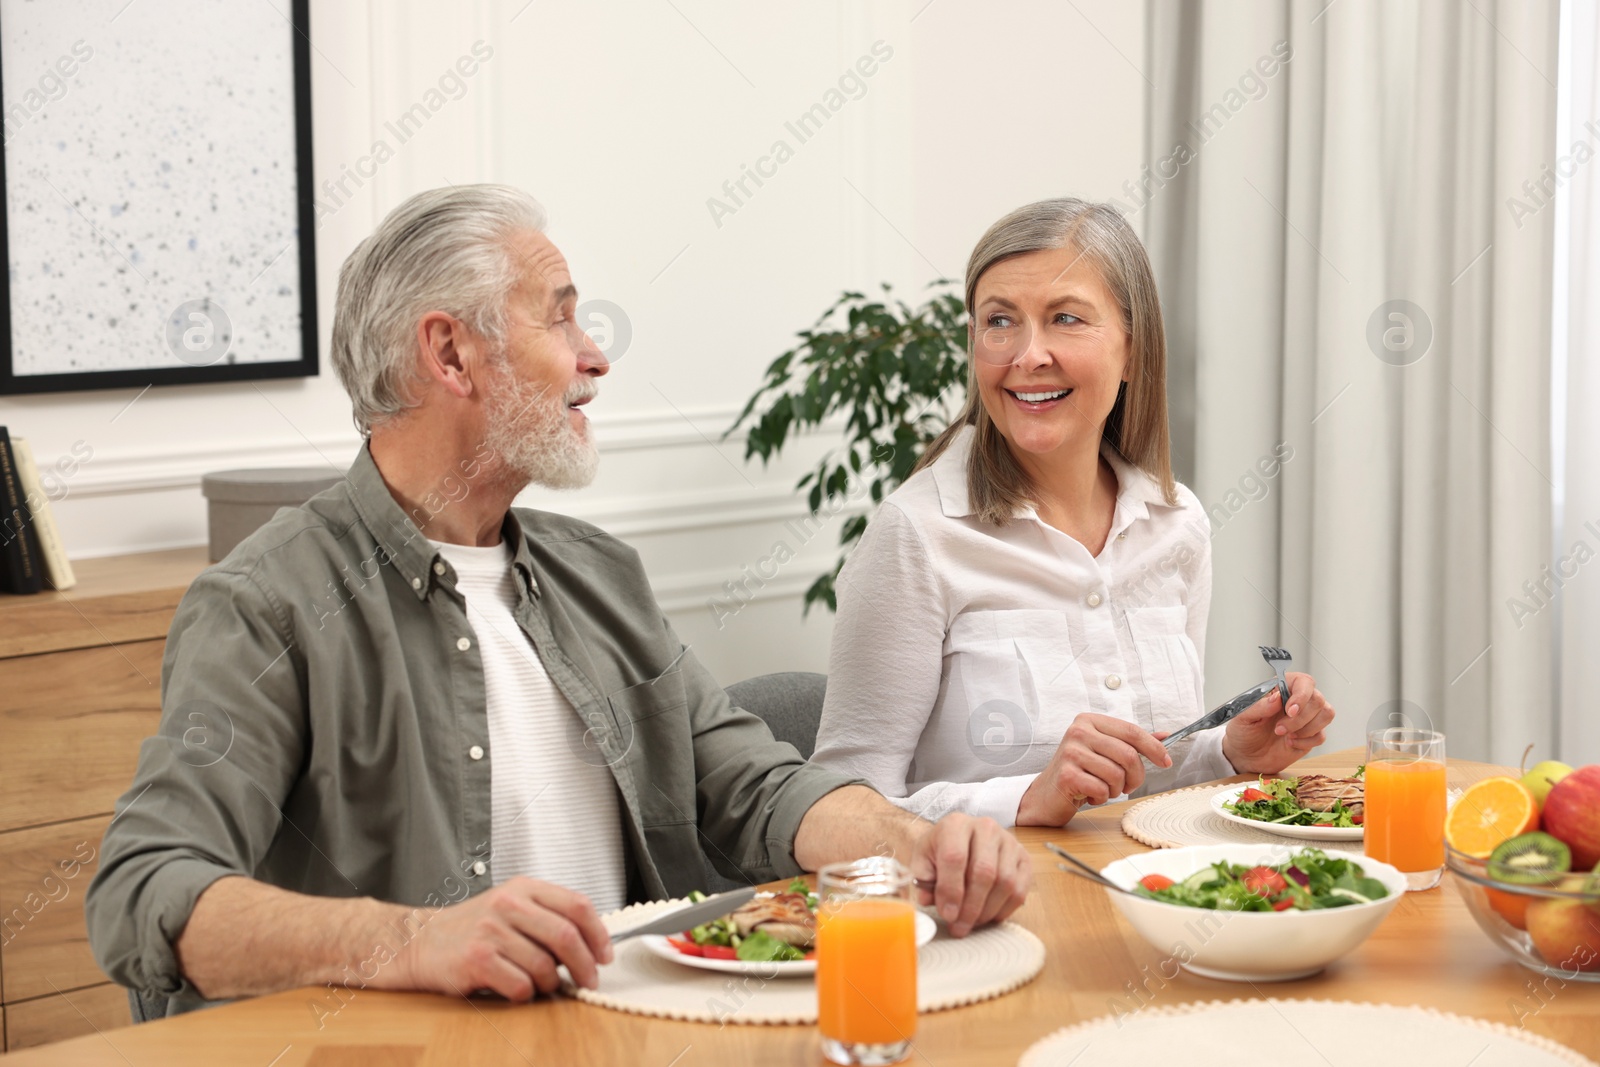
point(205, 801)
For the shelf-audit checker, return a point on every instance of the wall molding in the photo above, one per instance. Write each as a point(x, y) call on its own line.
point(771, 501)
point(680, 594)
point(136, 470)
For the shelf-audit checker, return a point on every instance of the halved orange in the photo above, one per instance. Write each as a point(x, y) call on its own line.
point(1488, 813)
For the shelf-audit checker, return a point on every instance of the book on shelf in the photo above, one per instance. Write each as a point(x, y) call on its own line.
point(21, 565)
point(57, 567)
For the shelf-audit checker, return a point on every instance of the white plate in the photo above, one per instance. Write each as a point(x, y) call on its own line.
point(1304, 833)
point(659, 945)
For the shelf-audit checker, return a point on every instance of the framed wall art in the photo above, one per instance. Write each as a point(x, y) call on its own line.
point(158, 213)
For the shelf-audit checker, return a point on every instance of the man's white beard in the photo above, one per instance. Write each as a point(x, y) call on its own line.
point(532, 433)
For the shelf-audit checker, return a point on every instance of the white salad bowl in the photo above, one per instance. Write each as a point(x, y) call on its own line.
point(1246, 946)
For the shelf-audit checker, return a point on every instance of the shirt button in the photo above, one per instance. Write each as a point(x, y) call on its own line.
point(438, 568)
point(480, 867)
point(464, 643)
point(476, 751)
point(1094, 600)
point(1123, 536)
point(1113, 681)
point(416, 583)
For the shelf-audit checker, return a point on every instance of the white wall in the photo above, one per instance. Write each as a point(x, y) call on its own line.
point(624, 118)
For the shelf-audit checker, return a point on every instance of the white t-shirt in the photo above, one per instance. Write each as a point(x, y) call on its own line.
point(962, 651)
point(556, 815)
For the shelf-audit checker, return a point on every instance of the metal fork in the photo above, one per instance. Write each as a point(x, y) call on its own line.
point(1224, 714)
point(1279, 660)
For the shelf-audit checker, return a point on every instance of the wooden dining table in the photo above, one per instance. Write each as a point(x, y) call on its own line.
point(1428, 952)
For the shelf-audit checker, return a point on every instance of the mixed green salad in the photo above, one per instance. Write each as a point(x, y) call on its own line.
point(720, 938)
point(1311, 879)
point(1275, 800)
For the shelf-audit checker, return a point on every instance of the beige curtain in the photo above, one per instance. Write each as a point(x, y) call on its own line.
point(1352, 287)
point(1577, 551)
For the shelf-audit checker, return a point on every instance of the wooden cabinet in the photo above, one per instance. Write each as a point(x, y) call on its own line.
point(80, 688)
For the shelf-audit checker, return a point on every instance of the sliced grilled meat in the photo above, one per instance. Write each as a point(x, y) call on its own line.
point(784, 916)
point(1319, 793)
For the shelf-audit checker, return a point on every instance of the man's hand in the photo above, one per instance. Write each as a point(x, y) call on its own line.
point(974, 870)
point(509, 940)
point(1267, 738)
point(1097, 759)
point(978, 872)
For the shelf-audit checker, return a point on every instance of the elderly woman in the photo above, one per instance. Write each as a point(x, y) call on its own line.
point(1024, 619)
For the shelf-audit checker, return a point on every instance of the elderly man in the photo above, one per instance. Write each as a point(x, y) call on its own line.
point(414, 738)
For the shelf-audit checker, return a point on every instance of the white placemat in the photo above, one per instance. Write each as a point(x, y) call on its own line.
point(1339, 1034)
point(1184, 817)
point(950, 972)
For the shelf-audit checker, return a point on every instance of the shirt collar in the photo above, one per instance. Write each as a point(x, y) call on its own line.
point(408, 549)
point(1136, 489)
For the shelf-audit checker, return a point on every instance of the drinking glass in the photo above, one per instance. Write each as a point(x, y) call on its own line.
point(1405, 802)
point(866, 961)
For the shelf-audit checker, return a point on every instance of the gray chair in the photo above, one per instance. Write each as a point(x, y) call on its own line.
point(790, 703)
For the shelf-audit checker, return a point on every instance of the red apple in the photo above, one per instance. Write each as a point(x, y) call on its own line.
point(1572, 813)
point(1566, 933)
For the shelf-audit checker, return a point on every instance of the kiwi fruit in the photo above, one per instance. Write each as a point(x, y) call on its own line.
point(1591, 884)
point(1533, 858)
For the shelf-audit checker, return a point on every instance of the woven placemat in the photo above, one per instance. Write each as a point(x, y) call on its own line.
point(950, 972)
point(1341, 1034)
point(1185, 817)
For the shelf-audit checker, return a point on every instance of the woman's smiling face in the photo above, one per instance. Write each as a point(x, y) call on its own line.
point(1052, 316)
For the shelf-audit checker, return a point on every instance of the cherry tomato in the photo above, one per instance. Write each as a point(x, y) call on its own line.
point(688, 948)
point(1264, 881)
point(1155, 882)
point(718, 952)
point(1283, 905)
point(1251, 795)
point(1357, 819)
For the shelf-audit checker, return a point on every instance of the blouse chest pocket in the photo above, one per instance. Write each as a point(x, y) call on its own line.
point(1016, 671)
point(1169, 665)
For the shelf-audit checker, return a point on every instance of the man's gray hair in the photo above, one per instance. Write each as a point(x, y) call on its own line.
point(443, 250)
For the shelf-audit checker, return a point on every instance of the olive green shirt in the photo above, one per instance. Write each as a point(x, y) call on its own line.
point(322, 693)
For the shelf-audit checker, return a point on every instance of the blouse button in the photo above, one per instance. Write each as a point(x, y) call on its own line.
point(476, 751)
point(464, 643)
point(1094, 600)
point(480, 867)
point(1113, 681)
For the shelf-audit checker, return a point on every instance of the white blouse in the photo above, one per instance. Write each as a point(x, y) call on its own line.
point(963, 651)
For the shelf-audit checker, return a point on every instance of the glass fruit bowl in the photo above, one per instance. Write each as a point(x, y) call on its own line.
point(1553, 929)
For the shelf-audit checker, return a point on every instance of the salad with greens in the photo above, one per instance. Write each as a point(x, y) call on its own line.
point(1311, 879)
point(1310, 800)
point(770, 929)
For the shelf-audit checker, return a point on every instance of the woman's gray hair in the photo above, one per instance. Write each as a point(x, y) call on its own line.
point(443, 250)
point(1137, 425)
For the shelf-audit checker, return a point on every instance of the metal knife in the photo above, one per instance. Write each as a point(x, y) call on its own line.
point(1226, 712)
point(694, 915)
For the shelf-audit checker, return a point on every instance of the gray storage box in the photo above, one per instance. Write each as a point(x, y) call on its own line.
point(240, 502)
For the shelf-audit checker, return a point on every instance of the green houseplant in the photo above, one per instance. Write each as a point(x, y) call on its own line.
point(884, 365)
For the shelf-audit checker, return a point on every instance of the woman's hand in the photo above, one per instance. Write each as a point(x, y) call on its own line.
point(1099, 758)
point(1267, 738)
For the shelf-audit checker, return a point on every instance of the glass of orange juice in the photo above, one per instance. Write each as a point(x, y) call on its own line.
point(1405, 802)
point(866, 961)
